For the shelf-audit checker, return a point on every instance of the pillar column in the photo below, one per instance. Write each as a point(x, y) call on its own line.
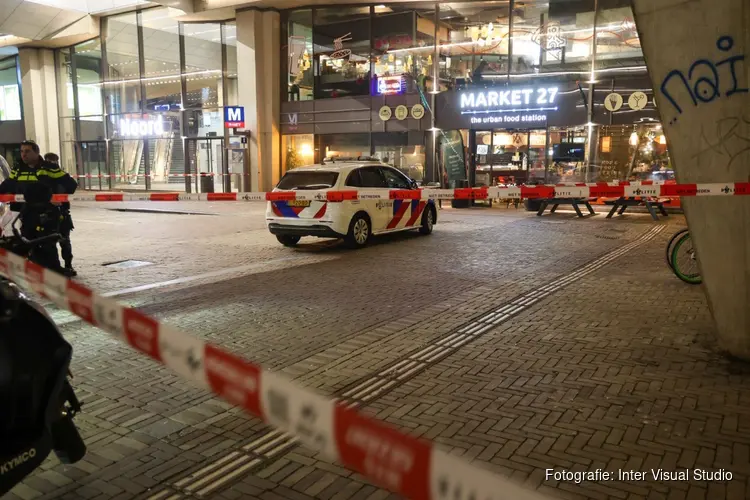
point(259, 80)
point(696, 52)
point(39, 96)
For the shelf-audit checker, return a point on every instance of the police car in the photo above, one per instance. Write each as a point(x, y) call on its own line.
point(353, 220)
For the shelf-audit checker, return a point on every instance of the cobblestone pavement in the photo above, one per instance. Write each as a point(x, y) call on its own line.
point(608, 363)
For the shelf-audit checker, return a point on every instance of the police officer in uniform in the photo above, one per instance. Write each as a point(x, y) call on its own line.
point(66, 224)
point(33, 175)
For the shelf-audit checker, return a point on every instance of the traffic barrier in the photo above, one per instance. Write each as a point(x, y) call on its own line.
point(388, 457)
point(483, 193)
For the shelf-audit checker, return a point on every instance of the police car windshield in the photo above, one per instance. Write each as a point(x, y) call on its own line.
point(308, 180)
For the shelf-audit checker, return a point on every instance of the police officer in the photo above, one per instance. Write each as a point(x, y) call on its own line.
point(66, 223)
point(33, 173)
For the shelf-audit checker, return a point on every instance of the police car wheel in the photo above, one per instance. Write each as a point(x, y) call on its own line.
point(428, 221)
point(288, 241)
point(359, 231)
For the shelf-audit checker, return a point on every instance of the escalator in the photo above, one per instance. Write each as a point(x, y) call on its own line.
point(177, 160)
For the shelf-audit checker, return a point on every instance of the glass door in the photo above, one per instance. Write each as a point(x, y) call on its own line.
point(93, 161)
point(205, 162)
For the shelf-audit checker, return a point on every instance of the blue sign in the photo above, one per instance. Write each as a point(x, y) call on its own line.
point(234, 116)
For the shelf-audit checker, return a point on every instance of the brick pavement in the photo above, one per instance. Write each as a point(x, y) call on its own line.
point(142, 421)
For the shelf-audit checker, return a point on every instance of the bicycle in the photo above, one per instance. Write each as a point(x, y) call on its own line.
point(682, 258)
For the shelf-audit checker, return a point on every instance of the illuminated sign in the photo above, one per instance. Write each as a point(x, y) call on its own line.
point(390, 85)
point(522, 106)
point(234, 117)
point(508, 100)
point(141, 128)
point(527, 119)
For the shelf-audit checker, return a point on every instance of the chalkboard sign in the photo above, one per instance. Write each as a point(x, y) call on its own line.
point(452, 150)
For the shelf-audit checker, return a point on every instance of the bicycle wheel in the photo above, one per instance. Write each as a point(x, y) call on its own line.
point(685, 262)
point(670, 246)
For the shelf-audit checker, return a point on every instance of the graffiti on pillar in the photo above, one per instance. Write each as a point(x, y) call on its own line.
point(725, 138)
point(703, 82)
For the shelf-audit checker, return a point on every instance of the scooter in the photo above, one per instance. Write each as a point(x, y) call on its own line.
point(37, 401)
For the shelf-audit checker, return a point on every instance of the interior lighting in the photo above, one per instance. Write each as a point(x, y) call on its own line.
point(662, 139)
point(305, 150)
point(634, 139)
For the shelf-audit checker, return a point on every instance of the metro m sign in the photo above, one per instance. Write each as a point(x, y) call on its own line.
point(234, 117)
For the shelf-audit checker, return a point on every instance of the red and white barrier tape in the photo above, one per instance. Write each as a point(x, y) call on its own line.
point(130, 176)
point(401, 463)
point(521, 192)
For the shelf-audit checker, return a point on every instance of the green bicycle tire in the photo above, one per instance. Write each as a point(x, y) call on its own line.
point(670, 246)
point(691, 279)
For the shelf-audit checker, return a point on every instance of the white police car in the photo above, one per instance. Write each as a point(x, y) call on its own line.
point(353, 220)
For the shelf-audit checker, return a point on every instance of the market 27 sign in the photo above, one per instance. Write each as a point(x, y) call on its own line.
point(508, 105)
point(508, 100)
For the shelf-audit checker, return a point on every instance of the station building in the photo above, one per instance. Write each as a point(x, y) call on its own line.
point(227, 95)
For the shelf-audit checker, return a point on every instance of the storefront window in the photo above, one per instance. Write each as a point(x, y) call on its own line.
point(533, 35)
point(65, 104)
point(568, 35)
point(68, 157)
point(161, 54)
point(88, 57)
point(342, 145)
point(298, 151)
point(567, 155)
point(403, 41)
point(395, 149)
point(474, 46)
point(633, 152)
point(64, 76)
point(506, 156)
point(126, 162)
point(122, 82)
point(230, 39)
point(299, 41)
point(203, 66)
point(10, 97)
point(617, 39)
point(204, 123)
point(341, 36)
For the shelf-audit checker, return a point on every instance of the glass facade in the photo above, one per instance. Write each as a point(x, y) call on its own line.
point(132, 100)
point(10, 93)
point(588, 49)
point(341, 58)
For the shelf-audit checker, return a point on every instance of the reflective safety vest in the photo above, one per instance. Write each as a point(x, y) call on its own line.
point(29, 174)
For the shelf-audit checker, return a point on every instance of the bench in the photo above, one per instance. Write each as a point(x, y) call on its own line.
point(556, 202)
point(621, 204)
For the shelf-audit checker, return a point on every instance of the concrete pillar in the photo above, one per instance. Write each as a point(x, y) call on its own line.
point(258, 74)
point(696, 52)
point(39, 95)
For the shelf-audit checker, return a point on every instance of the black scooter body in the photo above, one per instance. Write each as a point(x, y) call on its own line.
point(34, 389)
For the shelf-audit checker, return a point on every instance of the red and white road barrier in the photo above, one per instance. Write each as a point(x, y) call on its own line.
point(388, 457)
point(520, 192)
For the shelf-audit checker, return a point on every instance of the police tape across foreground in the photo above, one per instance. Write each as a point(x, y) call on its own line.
point(483, 193)
point(388, 457)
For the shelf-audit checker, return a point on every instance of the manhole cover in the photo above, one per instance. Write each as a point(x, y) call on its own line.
point(126, 264)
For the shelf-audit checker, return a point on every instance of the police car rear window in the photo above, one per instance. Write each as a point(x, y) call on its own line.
point(308, 180)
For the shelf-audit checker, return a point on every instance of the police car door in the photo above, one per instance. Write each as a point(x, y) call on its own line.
point(404, 213)
point(372, 181)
